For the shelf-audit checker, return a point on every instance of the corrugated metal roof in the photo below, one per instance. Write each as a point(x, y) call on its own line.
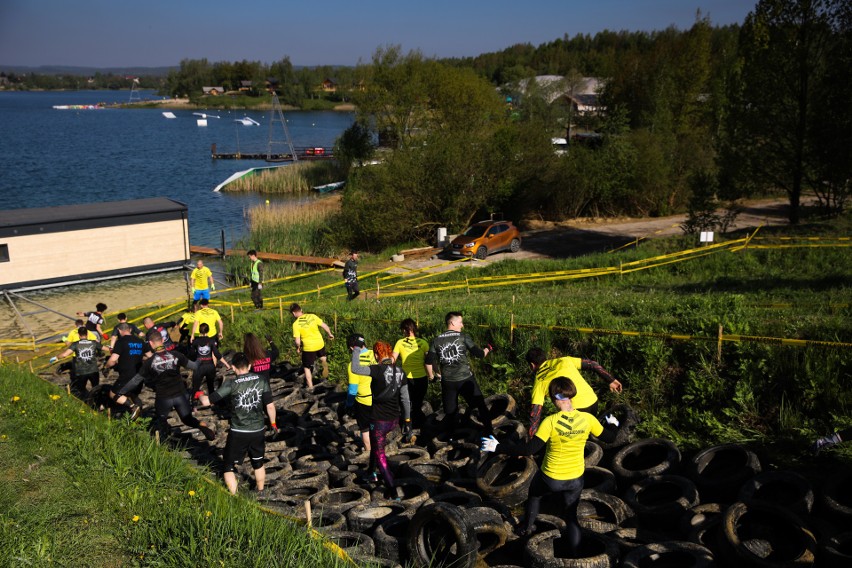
point(102, 210)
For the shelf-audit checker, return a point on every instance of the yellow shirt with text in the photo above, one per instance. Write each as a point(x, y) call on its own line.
point(412, 354)
point(563, 367)
point(565, 434)
point(201, 278)
point(307, 329)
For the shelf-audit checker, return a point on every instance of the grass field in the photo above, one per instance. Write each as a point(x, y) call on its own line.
point(80, 490)
point(74, 482)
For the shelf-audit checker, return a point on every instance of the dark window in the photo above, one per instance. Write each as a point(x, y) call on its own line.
point(4, 253)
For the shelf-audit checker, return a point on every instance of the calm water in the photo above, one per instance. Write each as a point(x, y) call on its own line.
point(61, 157)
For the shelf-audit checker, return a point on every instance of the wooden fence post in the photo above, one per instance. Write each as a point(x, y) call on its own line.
point(335, 323)
point(512, 328)
point(719, 346)
point(232, 314)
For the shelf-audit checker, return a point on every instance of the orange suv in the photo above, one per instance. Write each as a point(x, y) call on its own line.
point(486, 237)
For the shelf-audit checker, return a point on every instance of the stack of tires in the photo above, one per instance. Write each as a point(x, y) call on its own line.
point(644, 503)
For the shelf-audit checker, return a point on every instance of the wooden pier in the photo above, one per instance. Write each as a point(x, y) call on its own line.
point(302, 154)
point(315, 260)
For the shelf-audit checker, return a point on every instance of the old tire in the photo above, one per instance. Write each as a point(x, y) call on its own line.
point(628, 419)
point(652, 456)
point(463, 499)
point(439, 535)
point(837, 551)
point(460, 456)
point(340, 500)
point(506, 479)
point(592, 453)
point(352, 543)
point(391, 537)
point(364, 518)
point(762, 535)
point(431, 471)
point(324, 520)
point(786, 488)
point(549, 550)
point(599, 479)
point(600, 512)
point(671, 553)
point(501, 409)
point(662, 499)
point(837, 496)
point(490, 529)
point(720, 471)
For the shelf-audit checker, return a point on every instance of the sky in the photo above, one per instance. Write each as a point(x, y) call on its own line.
point(156, 33)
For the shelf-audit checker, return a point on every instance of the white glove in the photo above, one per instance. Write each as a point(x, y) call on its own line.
point(213, 287)
point(53, 360)
point(260, 286)
point(192, 291)
point(610, 419)
point(489, 444)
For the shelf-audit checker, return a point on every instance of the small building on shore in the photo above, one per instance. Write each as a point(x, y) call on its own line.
point(57, 246)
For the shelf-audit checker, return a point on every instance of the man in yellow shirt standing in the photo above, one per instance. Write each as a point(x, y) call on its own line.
point(209, 316)
point(202, 282)
point(547, 369)
point(309, 341)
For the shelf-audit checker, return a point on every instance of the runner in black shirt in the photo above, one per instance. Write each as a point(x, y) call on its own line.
point(261, 359)
point(205, 351)
point(94, 320)
point(161, 372)
point(163, 329)
point(84, 364)
point(126, 358)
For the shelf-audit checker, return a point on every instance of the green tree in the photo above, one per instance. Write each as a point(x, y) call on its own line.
point(783, 47)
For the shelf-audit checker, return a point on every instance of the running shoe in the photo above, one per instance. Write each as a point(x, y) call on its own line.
point(208, 432)
point(824, 442)
point(135, 411)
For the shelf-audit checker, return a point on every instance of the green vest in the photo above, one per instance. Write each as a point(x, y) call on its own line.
point(255, 273)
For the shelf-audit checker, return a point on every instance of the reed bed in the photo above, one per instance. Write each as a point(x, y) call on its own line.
point(296, 178)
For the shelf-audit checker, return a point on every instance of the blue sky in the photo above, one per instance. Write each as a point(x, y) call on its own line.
point(114, 33)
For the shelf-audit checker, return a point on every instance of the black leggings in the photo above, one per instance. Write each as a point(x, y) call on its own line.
point(78, 383)
point(417, 393)
point(569, 492)
point(204, 371)
point(468, 389)
point(164, 405)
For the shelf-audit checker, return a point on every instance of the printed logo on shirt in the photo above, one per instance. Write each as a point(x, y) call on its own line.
point(450, 353)
point(86, 354)
point(163, 362)
point(249, 399)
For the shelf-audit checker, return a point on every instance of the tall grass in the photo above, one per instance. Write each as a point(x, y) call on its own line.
point(81, 490)
point(299, 177)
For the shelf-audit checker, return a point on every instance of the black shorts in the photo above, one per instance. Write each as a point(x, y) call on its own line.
point(363, 414)
point(238, 444)
point(310, 357)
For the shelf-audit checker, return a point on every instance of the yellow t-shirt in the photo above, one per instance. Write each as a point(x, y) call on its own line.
point(365, 395)
point(210, 317)
point(563, 367)
point(412, 355)
point(201, 278)
point(565, 434)
point(187, 320)
point(74, 336)
point(307, 327)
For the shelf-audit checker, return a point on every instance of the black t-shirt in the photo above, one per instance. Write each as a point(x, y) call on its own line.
point(386, 384)
point(94, 319)
point(162, 372)
point(129, 349)
point(134, 331)
point(350, 271)
point(263, 366)
point(205, 347)
point(163, 329)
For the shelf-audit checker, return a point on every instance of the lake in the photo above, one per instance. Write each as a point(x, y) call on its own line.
point(61, 157)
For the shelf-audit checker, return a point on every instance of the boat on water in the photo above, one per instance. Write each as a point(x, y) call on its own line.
point(328, 187)
point(98, 106)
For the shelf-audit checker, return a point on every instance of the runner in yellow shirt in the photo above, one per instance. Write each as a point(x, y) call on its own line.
point(561, 476)
point(209, 316)
point(547, 369)
point(202, 282)
point(309, 342)
point(359, 397)
point(411, 351)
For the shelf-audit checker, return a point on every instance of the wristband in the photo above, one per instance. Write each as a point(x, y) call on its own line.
point(273, 425)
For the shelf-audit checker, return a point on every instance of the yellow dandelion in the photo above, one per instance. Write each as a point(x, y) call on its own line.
point(207, 514)
point(191, 493)
point(135, 518)
point(16, 398)
point(55, 397)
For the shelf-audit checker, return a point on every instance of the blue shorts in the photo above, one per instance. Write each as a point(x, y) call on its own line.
point(201, 295)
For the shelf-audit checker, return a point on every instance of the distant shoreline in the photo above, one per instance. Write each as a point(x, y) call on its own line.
point(184, 104)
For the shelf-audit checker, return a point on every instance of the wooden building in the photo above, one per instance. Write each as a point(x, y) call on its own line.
point(57, 246)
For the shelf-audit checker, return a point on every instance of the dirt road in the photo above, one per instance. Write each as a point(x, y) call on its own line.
point(543, 239)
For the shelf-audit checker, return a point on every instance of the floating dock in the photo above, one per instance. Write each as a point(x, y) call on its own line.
point(306, 154)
